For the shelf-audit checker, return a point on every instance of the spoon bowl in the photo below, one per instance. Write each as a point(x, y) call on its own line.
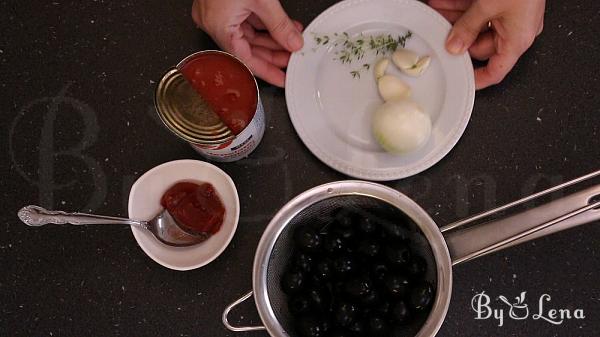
point(163, 226)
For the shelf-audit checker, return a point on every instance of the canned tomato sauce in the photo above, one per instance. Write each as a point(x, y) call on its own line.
point(211, 100)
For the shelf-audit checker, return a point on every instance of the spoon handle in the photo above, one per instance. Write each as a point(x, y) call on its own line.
point(38, 216)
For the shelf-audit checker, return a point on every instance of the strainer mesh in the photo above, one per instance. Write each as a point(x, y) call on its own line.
point(320, 214)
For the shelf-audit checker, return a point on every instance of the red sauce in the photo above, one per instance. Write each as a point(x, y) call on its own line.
point(226, 85)
point(196, 207)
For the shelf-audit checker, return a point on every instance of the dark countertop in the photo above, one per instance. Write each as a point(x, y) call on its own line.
point(76, 81)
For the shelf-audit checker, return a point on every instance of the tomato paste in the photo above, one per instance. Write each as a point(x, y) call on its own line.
point(196, 207)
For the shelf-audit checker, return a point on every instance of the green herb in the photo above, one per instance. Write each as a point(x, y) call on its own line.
point(350, 49)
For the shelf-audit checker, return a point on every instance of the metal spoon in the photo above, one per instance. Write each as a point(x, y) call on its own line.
point(163, 226)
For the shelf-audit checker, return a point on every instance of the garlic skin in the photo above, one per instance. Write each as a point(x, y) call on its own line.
point(381, 67)
point(392, 88)
point(419, 68)
point(401, 126)
point(404, 58)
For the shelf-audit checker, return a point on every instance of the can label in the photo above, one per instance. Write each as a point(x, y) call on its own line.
point(240, 146)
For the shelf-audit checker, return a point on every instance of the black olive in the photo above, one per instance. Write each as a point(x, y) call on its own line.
point(292, 281)
point(307, 239)
point(303, 262)
point(320, 299)
point(400, 312)
point(370, 299)
point(345, 313)
point(309, 326)
point(369, 248)
point(299, 304)
point(334, 244)
point(397, 254)
point(367, 225)
point(394, 231)
point(379, 270)
point(323, 270)
point(421, 296)
point(358, 327)
point(358, 287)
point(396, 285)
point(344, 265)
point(416, 268)
point(378, 325)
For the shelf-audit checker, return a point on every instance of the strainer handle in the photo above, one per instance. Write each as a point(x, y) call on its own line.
point(576, 209)
point(239, 328)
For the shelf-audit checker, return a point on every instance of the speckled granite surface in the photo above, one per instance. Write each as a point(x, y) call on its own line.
point(76, 81)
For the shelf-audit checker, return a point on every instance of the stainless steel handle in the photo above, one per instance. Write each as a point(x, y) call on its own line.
point(38, 216)
point(238, 328)
point(573, 210)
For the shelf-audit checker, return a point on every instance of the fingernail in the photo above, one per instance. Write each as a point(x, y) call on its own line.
point(295, 41)
point(455, 44)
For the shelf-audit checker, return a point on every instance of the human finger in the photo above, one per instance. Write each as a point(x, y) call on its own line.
point(299, 25)
point(483, 48)
point(259, 39)
point(240, 47)
point(267, 71)
point(256, 22)
point(276, 57)
point(278, 23)
point(450, 15)
point(196, 13)
point(466, 29)
point(497, 68)
point(452, 5)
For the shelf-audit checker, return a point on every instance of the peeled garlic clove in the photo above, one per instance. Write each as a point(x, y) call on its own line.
point(419, 68)
point(404, 58)
point(391, 87)
point(381, 67)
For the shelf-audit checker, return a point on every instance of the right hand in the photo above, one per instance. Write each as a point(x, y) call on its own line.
point(259, 32)
point(498, 31)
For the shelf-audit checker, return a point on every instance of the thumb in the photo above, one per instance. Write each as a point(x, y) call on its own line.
point(282, 28)
point(466, 29)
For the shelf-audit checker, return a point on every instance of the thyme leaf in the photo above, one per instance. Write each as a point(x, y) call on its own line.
point(349, 49)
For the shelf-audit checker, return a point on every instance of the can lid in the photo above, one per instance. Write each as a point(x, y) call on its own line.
point(186, 114)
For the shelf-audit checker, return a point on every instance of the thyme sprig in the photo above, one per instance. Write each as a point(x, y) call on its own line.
point(350, 49)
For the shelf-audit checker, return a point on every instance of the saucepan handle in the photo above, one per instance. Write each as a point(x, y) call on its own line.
point(238, 328)
point(570, 211)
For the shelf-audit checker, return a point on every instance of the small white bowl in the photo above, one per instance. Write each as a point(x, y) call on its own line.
point(144, 204)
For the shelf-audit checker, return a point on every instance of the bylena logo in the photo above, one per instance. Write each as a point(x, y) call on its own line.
point(519, 309)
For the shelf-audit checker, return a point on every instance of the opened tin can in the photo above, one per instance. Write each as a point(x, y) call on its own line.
point(211, 100)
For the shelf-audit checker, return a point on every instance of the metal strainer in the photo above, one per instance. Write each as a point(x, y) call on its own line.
point(319, 214)
point(441, 251)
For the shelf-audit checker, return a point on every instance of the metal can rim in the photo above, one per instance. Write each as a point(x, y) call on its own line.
point(177, 67)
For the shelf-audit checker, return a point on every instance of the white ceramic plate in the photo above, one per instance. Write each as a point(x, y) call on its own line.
point(144, 203)
point(331, 111)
